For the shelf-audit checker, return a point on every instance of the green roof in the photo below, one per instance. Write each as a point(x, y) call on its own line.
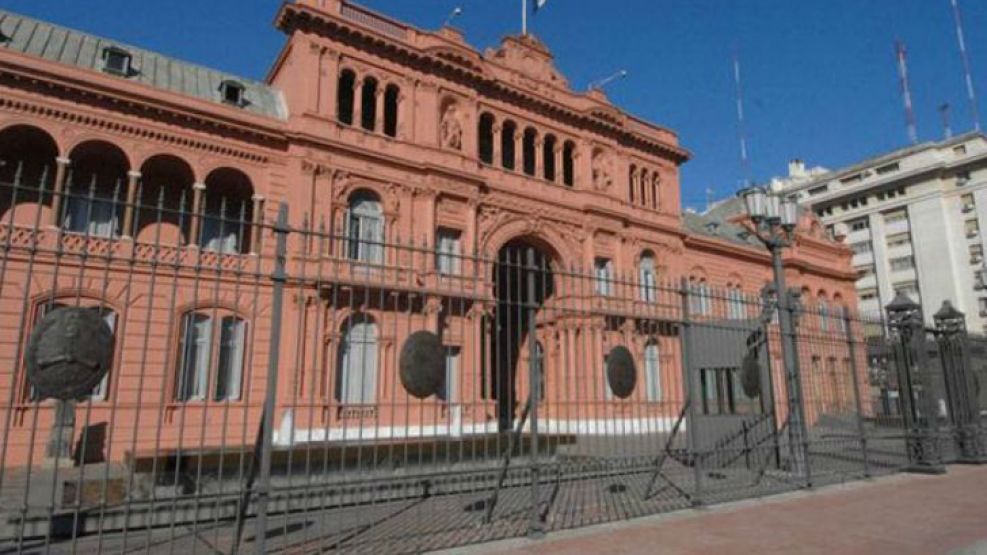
point(82, 50)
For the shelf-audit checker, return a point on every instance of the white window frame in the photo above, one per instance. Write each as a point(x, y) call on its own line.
point(448, 247)
point(603, 276)
point(359, 363)
point(648, 286)
point(218, 354)
point(652, 371)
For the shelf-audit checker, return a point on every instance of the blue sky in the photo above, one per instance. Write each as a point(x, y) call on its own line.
point(820, 80)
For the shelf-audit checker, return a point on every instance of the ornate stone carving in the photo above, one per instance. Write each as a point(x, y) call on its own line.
point(602, 170)
point(451, 128)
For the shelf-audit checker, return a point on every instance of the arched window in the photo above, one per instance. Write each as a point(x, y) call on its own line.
point(507, 144)
point(391, 95)
point(568, 168)
point(368, 104)
point(652, 371)
point(356, 372)
point(165, 200)
point(528, 147)
point(28, 153)
point(631, 183)
point(227, 212)
point(699, 299)
point(548, 157)
point(485, 137)
point(96, 189)
point(365, 228)
point(736, 306)
point(647, 277)
point(100, 392)
point(211, 350)
point(823, 309)
point(344, 96)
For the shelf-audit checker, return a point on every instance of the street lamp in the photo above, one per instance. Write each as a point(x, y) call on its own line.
point(774, 217)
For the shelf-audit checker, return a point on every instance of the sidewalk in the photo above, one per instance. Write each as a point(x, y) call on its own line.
point(900, 514)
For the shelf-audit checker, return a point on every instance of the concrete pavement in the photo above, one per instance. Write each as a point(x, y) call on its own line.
point(900, 514)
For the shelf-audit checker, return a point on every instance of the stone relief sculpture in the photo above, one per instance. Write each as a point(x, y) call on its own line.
point(602, 171)
point(451, 129)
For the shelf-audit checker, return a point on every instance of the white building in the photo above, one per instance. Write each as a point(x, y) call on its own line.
point(915, 219)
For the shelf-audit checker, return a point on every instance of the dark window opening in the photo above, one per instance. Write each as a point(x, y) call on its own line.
point(528, 148)
point(630, 184)
point(368, 104)
point(507, 145)
point(548, 157)
point(391, 94)
point(116, 61)
point(344, 97)
point(232, 93)
point(568, 171)
point(485, 141)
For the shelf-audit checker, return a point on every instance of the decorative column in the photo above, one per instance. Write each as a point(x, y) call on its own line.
point(518, 149)
point(133, 177)
point(193, 235)
point(402, 116)
point(358, 104)
point(328, 74)
point(495, 158)
point(256, 224)
point(918, 405)
point(635, 178)
point(540, 157)
point(379, 111)
point(961, 385)
point(61, 174)
point(557, 153)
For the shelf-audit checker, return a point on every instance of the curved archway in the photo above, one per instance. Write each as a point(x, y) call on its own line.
point(96, 189)
point(227, 211)
point(522, 278)
point(165, 198)
point(27, 155)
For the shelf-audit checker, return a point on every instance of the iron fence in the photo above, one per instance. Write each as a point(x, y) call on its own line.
point(272, 390)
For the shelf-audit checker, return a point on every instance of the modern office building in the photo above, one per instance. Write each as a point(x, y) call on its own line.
point(914, 220)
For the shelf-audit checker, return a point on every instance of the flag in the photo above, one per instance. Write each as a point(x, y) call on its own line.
point(539, 4)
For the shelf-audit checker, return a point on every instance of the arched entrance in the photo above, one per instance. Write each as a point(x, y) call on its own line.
point(523, 281)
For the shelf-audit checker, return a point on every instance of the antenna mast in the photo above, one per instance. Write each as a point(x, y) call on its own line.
point(947, 130)
point(741, 132)
point(970, 94)
point(906, 93)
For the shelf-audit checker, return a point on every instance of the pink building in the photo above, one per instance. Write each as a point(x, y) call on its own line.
point(413, 166)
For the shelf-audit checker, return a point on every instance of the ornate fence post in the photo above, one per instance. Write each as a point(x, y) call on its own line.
point(918, 407)
point(961, 388)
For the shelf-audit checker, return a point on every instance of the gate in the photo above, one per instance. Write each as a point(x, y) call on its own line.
point(291, 383)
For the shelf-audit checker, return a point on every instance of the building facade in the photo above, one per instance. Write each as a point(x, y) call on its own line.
point(913, 219)
point(412, 167)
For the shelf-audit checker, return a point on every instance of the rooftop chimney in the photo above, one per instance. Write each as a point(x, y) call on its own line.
point(796, 168)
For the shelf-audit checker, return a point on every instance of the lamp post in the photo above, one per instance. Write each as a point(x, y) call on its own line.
point(774, 218)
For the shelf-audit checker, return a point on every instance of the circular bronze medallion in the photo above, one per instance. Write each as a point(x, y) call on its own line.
point(68, 353)
point(621, 374)
point(422, 364)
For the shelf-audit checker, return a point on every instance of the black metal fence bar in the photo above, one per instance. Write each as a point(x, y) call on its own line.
point(326, 386)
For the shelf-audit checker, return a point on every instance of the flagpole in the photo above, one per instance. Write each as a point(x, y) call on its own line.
point(524, 17)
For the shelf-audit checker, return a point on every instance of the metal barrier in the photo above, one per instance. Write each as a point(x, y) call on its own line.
point(272, 391)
